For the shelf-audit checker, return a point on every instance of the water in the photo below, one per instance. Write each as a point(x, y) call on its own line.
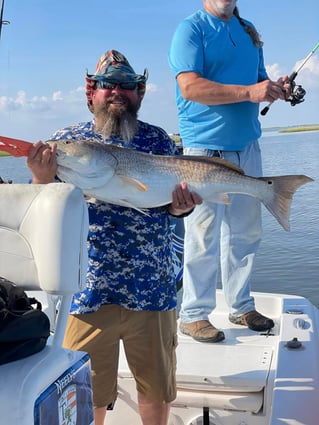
point(287, 262)
point(14, 169)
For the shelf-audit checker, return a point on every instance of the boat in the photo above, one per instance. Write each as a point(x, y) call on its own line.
point(250, 378)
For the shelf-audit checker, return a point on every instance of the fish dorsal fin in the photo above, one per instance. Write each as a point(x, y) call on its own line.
point(130, 181)
point(212, 160)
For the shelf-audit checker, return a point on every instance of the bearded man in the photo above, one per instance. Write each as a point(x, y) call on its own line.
point(130, 293)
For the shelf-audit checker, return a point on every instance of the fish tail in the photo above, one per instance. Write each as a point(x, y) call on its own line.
point(284, 188)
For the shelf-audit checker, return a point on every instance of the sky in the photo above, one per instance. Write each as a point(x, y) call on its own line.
point(49, 44)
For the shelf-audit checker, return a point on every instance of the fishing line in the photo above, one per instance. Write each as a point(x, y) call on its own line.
point(296, 96)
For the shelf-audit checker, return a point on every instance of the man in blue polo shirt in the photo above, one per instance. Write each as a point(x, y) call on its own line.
point(217, 60)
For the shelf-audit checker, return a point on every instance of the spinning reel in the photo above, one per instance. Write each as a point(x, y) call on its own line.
point(297, 92)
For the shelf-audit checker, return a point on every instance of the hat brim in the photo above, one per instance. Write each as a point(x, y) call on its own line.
point(120, 75)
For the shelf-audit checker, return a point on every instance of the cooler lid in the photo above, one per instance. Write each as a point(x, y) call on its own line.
point(221, 367)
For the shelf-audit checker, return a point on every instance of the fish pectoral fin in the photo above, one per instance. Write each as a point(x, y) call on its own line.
point(134, 183)
point(127, 204)
point(219, 198)
point(142, 211)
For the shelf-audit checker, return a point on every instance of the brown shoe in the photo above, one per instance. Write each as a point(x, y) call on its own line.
point(254, 320)
point(202, 331)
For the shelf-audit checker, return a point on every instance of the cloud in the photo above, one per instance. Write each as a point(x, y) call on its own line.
point(311, 65)
point(274, 72)
point(57, 96)
point(39, 116)
point(21, 102)
point(151, 87)
point(307, 76)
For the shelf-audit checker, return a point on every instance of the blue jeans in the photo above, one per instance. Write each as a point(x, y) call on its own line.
point(225, 236)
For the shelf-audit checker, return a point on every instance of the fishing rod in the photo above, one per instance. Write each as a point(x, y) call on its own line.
point(297, 93)
point(2, 22)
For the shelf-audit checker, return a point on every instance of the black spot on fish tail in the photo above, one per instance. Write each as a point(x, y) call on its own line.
point(284, 188)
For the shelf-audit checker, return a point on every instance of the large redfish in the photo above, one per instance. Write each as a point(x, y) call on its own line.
point(140, 180)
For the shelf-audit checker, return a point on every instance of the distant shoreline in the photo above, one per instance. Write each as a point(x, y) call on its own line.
point(4, 154)
point(292, 129)
point(306, 127)
point(300, 128)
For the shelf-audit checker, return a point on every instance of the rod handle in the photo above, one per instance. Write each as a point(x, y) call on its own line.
point(264, 111)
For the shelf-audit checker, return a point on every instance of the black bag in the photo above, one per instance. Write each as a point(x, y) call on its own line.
point(24, 330)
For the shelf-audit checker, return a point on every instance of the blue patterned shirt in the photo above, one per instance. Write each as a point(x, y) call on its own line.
point(130, 253)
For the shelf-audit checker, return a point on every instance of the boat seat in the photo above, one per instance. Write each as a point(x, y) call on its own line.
point(43, 234)
point(43, 230)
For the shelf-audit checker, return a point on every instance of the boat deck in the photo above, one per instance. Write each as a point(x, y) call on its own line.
point(238, 377)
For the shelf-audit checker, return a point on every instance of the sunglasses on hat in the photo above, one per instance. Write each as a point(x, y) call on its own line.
point(107, 85)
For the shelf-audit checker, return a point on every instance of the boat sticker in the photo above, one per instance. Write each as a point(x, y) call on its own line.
point(68, 400)
point(67, 406)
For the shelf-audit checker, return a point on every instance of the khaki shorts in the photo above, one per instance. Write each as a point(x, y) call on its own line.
point(149, 339)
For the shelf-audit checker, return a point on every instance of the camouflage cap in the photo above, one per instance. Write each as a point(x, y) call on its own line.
point(114, 67)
